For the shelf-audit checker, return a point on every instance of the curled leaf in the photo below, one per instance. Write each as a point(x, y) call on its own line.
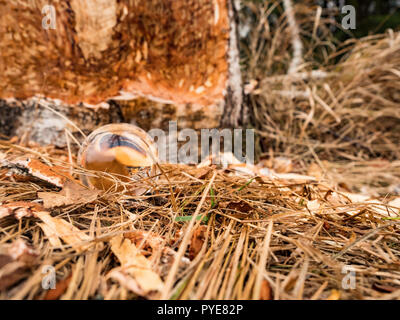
point(135, 272)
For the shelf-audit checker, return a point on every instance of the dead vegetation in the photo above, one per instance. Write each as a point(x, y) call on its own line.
point(343, 101)
point(323, 202)
point(220, 234)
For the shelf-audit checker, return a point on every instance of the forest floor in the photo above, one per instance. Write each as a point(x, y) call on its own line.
point(272, 231)
point(317, 218)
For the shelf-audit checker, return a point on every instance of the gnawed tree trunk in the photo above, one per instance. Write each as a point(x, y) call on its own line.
point(153, 61)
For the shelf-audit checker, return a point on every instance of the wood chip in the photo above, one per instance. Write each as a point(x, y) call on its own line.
point(56, 176)
point(20, 209)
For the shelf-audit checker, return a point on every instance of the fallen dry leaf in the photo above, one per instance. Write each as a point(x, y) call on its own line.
point(241, 206)
point(147, 242)
point(392, 209)
point(395, 206)
point(201, 173)
point(53, 228)
point(51, 235)
point(59, 228)
point(20, 209)
point(313, 206)
point(135, 272)
point(356, 198)
point(72, 193)
point(265, 291)
point(15, 260)
point(61, 287)
point(198, 238)
point(154, 247)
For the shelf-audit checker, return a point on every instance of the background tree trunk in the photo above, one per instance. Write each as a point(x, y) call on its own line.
point(144, 62)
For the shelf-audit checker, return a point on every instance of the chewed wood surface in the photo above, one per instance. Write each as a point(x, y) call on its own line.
point(167, 50)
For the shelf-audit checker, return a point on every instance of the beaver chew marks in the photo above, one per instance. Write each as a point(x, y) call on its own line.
point(168, 51)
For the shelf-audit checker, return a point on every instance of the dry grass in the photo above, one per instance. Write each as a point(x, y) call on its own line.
point(344, 102)
point(262, 237)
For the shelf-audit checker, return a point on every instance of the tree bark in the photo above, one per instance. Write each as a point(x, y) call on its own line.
point(144, 62)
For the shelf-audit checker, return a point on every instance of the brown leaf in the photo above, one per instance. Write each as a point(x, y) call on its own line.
point(198, 238)
point(20, 209)
point(135, 272)
point(11, 274)
point(61, 287)
point(239, 206)
point(327, 226)
point(153, 246)
point(15, 260)
point(72, 193)
point(201, 173)
point(147, 242)
point(265, 291)
point(59, 228)
point(53, 228)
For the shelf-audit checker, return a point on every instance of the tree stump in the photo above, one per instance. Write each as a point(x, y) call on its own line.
point(101, 61)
